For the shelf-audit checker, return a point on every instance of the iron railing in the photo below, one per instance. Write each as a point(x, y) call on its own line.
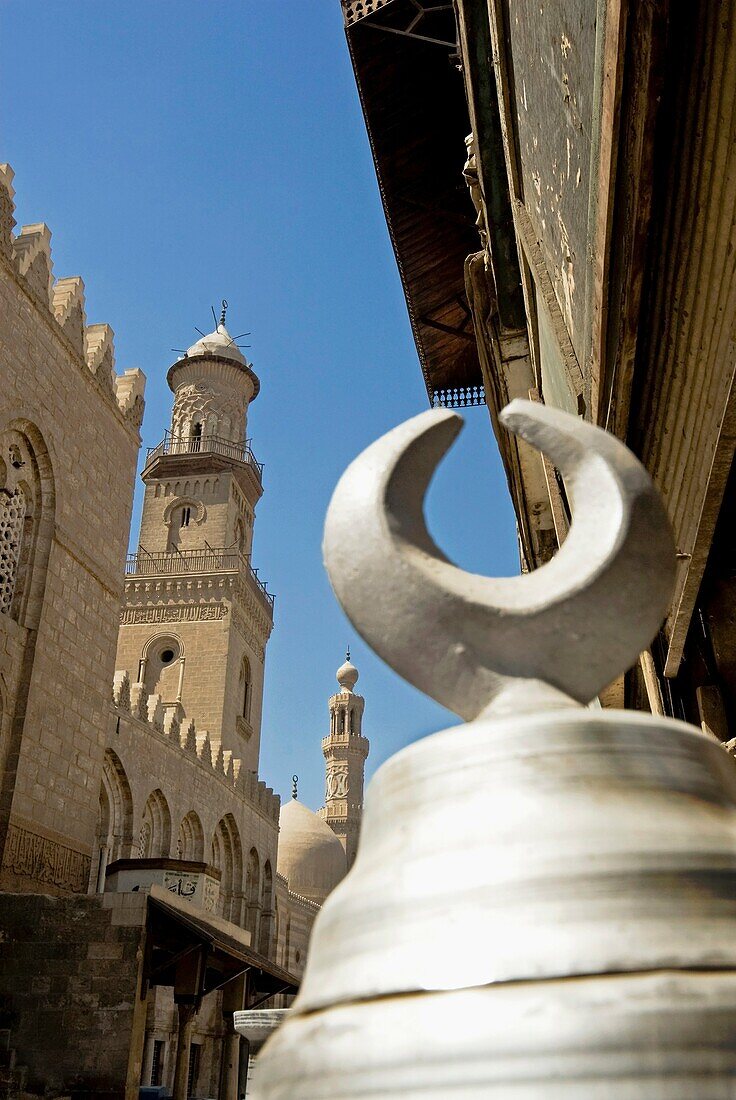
point(207, 560)
point(206, 444)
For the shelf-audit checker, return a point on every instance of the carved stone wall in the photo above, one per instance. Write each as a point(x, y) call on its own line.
point(68, 454)
point(30, 859)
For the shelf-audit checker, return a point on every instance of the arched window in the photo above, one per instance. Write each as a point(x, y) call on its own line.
point(196, 436)
point(26, 498)
point(161, 667)
point(246, 688)
point(144, 841)
point(183, 516)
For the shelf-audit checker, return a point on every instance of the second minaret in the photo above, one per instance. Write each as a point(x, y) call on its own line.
point(345, 751)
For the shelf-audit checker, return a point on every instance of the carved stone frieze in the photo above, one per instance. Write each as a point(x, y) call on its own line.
point(46, 861)
point(337, 782)
point(247, 627)
point(175, 613)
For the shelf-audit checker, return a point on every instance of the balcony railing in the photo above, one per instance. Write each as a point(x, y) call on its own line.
point(208, 560)
point(206, 444)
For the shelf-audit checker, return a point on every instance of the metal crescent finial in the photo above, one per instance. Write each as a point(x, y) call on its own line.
point(572, 625)
point(224, 311)
point(294, 784)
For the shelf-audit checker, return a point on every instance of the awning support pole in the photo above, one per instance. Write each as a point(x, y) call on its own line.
point(184, 1041)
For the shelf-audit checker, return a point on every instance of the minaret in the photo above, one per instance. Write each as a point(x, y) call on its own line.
point(196, 618)
point(345, 751)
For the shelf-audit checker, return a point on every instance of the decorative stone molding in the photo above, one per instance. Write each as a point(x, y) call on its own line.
point(172, 726)
point(68, 306)
point(190, 737)
point(121, 690)
point(32, 250)
point(204, 748)
point(156, 712)
point(221, 413)
point(99, 352)
point(246, 626)
point(46, 861)
point(7, 221)
point(139, 701)
point(129, 390)
point(177, 613)
point(208, 586)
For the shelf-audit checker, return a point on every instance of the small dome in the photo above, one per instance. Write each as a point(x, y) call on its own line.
point(310, 855)
point(221, 343)
point(347, 675)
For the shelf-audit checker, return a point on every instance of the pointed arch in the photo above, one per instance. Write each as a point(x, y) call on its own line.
point(27, 511)
point(227, 856)
point(161, 663)
point(154, 837)
point(245, 688)
point(114, 834)
point(267, 916)
point(253, 895)
point(286, 961)
point(190, 843)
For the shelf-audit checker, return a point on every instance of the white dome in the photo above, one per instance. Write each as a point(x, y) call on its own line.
point(219, 342)
point(310, 855)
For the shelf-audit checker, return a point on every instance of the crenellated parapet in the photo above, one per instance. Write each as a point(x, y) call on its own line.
point(132, 700)
point(29, 254)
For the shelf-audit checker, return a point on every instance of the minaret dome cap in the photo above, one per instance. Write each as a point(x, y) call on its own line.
point(220, 343)
point(347, 675)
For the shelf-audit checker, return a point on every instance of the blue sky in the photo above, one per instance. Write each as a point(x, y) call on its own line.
point(182, 152)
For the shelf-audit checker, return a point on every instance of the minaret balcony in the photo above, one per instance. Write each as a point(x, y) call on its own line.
point(169, 563)
point(203, 449)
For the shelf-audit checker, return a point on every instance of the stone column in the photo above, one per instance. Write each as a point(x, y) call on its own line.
point(230, 1065)
point(233, 996)
point(184, 1039)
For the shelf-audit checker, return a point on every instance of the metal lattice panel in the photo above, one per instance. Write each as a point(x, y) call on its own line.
point(12, 515)
point(459, 397)
point(355, 10)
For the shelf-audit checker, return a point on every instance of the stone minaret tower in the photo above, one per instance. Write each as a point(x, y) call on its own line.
point(196, 618)
point(345, 751)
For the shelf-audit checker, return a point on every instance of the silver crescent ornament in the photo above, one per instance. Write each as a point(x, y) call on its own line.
point(543, 903)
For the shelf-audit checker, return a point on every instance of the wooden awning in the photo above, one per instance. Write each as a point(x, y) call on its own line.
point(196, 953)
point(411, 91)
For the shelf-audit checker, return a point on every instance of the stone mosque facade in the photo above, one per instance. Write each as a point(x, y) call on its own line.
point(135, 833)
